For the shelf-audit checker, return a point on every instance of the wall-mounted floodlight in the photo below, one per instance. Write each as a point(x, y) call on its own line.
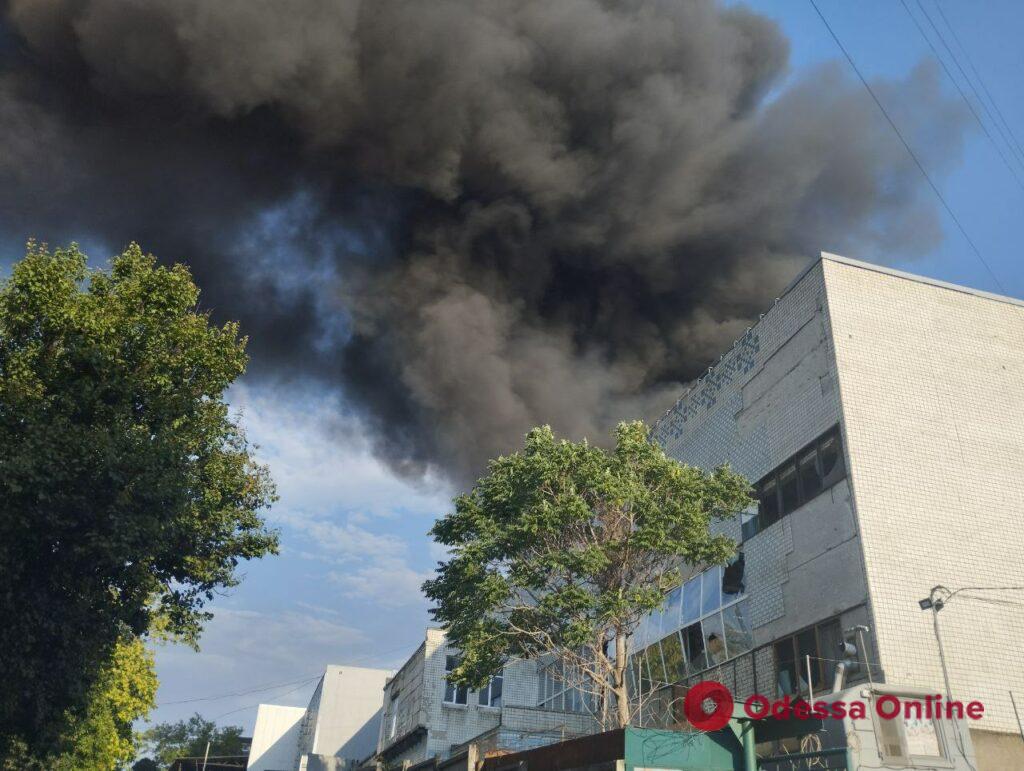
point(926, 603)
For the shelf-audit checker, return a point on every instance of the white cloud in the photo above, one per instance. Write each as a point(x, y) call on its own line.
point(320, 457)
point(345, 588)
point(389, 583)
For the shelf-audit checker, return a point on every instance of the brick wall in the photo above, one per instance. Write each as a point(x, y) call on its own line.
point(772, 393)
point(932, 384)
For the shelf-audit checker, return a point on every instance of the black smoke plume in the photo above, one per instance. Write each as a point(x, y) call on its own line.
point(472, 217)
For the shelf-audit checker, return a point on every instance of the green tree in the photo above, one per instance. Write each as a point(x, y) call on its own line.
point(127, 492)
point(188, 738)
point(101, 738)
point(563, 547)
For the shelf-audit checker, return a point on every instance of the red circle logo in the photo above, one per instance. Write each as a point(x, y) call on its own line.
point(693, 706)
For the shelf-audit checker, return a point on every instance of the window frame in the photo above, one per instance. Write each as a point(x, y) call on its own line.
point(455, 690)
point(555, 694)
point(485, 696)
point(766, 515)
point(799, 664)
point(680, 627)
point(943, 760)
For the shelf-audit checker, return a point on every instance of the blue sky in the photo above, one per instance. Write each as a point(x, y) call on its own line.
point(354, 549)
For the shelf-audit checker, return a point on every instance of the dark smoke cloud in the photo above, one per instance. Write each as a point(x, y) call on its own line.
point(471, 216)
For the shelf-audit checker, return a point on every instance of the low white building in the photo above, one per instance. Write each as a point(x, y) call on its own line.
point(275, 738)
point(337, 730)
point(426, 717)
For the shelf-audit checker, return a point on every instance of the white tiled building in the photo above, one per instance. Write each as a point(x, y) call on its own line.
point(425, 717)
point(882, 417)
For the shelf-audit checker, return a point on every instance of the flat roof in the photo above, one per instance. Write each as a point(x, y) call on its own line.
point(830, 257)
point(903, 274)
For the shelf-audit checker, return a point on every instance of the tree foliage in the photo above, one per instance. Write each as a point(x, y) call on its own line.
point(102, 737)
point(563, 547)
point(127, 492)
point(188, 738)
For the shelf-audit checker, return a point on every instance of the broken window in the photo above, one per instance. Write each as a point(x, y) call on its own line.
point(738, 635)
point(732, 579)
point(820, 642)
point(802, 477)
point(693, 640)
point(714, 639)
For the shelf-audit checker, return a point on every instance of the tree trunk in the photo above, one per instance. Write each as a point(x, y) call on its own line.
point(619, 680)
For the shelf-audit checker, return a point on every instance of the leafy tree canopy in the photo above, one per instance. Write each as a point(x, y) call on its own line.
point(563, 547)
point(127, 492)
point(101, 738)
point(188, 738)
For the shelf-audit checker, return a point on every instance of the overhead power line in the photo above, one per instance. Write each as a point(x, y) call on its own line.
point(964, 75)
point(956, 84)
point(259, 689)
point(272, 686)
point(970, 63)
point(906, 145)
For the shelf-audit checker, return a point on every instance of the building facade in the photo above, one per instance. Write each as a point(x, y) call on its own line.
point(880, 416)
point(425, 716)
point(338, 730)
point(275, 738)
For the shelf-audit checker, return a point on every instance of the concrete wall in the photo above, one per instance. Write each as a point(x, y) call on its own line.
point(932, 386)
point(275, 738)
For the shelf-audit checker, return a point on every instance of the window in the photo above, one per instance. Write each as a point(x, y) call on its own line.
point(910, 739)
point(672, 654)
point(705, 622)
point(820, 642)
point(810, 478)
point(691, 601)
point(738, 636)
point(656, 666)
point(711, 591)
point(768, 500)
point(490, 695)
point(802, 477)
point(555, 694)
point(453, 694)
point(696, 661)
point(714, 639)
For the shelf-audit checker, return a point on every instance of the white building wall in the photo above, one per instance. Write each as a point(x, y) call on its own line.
point(348, 715)
point(932, 385)
point(415, 698)
point(275, 738)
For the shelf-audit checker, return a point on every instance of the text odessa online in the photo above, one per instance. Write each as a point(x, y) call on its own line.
point(887, 706)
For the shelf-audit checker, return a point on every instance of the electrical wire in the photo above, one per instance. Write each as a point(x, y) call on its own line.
point(906, 145)
point(963, 96)
point(267, 687)
point(976, 74)
point(218, 697)
point(250, 706)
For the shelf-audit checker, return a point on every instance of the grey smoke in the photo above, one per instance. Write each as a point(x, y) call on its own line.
point(472, 217)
